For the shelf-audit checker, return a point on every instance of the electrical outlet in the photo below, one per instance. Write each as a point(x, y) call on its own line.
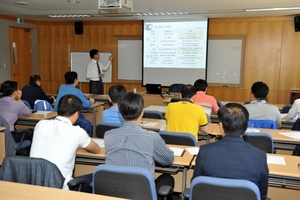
point(4, 65)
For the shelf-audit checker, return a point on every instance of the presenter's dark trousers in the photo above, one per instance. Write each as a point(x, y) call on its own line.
point(96, 87)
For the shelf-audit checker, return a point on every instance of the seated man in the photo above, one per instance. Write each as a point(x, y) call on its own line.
point(33, 91)
point(11, 106)
point(294, 112)
point(232, 157)
point(112, 115)
point(57, 140)
point(202, 97)
point(258, 108)
point(131, 145)
point(70, 88)
point(184, 115)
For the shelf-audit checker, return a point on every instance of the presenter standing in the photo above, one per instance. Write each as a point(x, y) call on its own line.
point(94, 72)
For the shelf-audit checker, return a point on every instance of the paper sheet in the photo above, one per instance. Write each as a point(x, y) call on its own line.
point(100, 142)
point(252, 130)
point(42, 112)
point(283, 115)
point(163, 128)
point(150, 124)
point(177, 151)
point(193, 150)
point(276, 160)
point(293, 134)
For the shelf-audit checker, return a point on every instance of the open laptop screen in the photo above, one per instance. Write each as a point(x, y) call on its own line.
point(153, 88)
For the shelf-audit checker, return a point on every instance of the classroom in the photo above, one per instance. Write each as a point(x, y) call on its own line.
point(271, 55)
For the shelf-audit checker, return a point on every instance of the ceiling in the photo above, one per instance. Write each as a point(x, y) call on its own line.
point(40, 9)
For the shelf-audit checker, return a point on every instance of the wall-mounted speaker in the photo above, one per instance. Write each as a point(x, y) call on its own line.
point(297, 23)
point(78, 27)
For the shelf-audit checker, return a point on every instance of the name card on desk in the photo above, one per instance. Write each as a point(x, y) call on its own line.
point(177, 151)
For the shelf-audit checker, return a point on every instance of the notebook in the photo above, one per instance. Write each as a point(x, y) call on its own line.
point(153, 88)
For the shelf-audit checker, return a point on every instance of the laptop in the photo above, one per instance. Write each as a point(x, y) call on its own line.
point(153, 88)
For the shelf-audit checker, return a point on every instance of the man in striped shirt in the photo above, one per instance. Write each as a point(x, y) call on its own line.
point(131, 145)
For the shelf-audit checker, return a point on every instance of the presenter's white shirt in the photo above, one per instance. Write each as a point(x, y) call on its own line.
point(92, 69)
point(57, 141)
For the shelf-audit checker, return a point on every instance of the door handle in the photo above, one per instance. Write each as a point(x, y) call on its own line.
point(15, 74)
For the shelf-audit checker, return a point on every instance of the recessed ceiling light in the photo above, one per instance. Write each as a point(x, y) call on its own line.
point(21, 3)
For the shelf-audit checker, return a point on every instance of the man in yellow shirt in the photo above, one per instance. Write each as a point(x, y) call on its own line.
point(184, 115)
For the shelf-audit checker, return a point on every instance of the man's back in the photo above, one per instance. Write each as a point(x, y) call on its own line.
point(32, 92)
point(112, 115)
point(201, 97)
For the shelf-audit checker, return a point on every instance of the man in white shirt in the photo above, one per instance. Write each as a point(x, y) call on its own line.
point(57, 140)
point(94, 72)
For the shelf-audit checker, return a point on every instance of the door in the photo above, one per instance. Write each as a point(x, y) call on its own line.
point(20, 55)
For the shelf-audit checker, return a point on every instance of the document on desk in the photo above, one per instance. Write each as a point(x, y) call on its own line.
point(251, 130)
point(150, 124)
point(293, 134)
point(41, 112)
point(283, 115)
point(177, 151)
point(162, 108)
point(193, 150)
point(276, 160)
point(100, 142)
point(163, 128)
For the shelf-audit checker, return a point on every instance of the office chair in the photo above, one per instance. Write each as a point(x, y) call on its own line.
point(176, 87)
point(211, 188)
point(260, 140)
point(246, 102)
point(175, 99)
point(296, 127)
point(42, 105)
point(126, 182)
point(178, 138)
point(269, 124)
point(102, 127)
point(219, 104)
point(153, 114)
point(286, 108)
point(12, 147)
point(27, 104)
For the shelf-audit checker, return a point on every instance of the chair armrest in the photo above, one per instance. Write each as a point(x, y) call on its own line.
point(165, 190)
point(78, 182)
point(186, 193)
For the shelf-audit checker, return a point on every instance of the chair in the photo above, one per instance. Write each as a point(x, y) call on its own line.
point(42, 105)
point(211, 188)
point(126, 182)
point(176, 87)
point(11, 147)
point(296, 126)
point(269, 124)
point(178, 138)
point(27, 104)
point(153, 114)
point(260, 140)
point(286, 108)
point(246, 102)
point(102, 127)
point(174, 99)
point(219, 104)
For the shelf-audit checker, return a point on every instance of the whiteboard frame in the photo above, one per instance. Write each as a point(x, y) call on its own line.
point(241, 38)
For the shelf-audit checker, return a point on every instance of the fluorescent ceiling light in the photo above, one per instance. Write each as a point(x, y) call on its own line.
point(68, 16)
point(271, 9)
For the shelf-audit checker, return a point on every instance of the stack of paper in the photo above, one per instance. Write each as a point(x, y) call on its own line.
point(177, 151)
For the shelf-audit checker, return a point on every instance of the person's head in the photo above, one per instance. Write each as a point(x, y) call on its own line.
point(71, 77)
point(94, 54)
point(188, 91)
point(131, 106)
point(200, 85)
point(35, 79)
point(233, 119)
point(115, 92)
point(9, 88)
point(259, 90)
point(69, 106)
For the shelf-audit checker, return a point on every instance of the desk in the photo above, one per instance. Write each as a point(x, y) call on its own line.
point(2, 144)
point(19, 191)
point(160, 123)
point(94, 114)
point(35, 118)
point(161, 109)
point(156, 99)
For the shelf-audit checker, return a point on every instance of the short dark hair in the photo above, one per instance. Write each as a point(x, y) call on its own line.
point(131, 106)
point(187, 91)
point(93, 52)
point(260, 90)
point(9, 87)
point(200, 85)
point(234, 118)
point(115, 92)
point(34, 78)
point(68, 105)
point(70, 77)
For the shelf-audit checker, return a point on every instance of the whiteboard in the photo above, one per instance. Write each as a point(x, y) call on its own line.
point(225, 61)
point(79, 61)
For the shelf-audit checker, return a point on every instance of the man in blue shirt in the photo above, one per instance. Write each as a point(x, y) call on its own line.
point(71, 78)
point(112, 115)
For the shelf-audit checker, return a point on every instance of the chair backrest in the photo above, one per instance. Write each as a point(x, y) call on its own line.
point(175, 99)
point(260, 140)
point(42, 105)
point(179, 138)
point(27, 104)
point(102, 127)
point(153, 114)
point(219, 104)
point(286, 108)
point(296, 125)
point(262, 124)
point(207, 188)
point(34, 171)
point(246, 102)
point(124, 182)
point(176, 87)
